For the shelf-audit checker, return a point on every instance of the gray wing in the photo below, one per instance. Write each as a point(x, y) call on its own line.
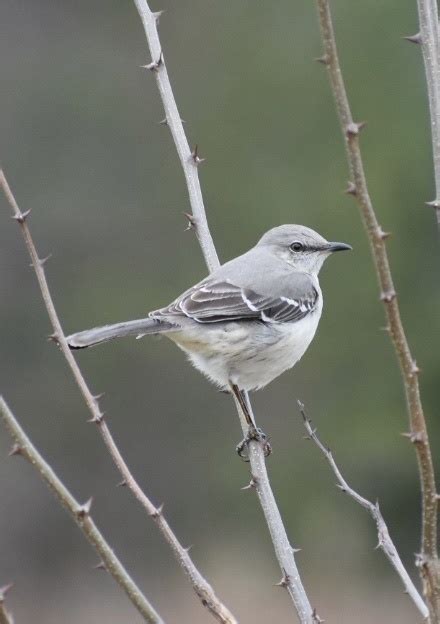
point(214, 300)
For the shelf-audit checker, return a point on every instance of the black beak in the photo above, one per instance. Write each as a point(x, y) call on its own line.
point(338, 247)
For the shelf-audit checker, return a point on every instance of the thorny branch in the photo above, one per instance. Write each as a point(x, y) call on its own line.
point(385, 542)
point(428, 560)
point(428, 37)
point(202, 588)
point(190, 161)
point(80, 514)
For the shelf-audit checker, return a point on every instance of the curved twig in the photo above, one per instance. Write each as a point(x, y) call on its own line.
point(384, 540)
point(80, 514)
point(202, 588)
point(428, 560)
point(190, 161)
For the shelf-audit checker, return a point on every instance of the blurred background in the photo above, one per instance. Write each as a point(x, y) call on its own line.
point(83, 148)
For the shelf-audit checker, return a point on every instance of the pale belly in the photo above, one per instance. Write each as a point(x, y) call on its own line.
point(249, 355)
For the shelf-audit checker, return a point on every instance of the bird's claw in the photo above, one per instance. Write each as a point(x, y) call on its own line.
point(257, 434)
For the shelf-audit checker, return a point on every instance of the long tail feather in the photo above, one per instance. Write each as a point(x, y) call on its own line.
point(97, 335)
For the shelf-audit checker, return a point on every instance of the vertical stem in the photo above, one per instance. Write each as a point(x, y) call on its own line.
point(190, 161)
point(428, 560)
point(429, 39)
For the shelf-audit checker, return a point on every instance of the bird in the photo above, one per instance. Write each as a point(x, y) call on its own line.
point(247, 322)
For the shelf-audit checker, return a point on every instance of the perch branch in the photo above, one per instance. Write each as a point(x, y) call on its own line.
point(428, 37)
point(80, 514)
point(202, 588)
point(190, 161)
point(5, 615)
point(384, 542)
point(418, 435)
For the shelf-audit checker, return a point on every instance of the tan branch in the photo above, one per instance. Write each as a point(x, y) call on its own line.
point(384, 540)
point(377, 238)
point(190, 161)
point(80, 514)
point(202, 588)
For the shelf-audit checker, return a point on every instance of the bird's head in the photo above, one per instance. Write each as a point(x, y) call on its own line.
point(304, 249)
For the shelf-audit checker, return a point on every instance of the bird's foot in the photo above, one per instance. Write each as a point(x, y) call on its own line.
point(258, 435)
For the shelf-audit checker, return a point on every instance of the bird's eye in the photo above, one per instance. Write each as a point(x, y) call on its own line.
point(297, 246)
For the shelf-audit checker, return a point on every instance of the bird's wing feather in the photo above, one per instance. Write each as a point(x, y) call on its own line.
point(213, 301)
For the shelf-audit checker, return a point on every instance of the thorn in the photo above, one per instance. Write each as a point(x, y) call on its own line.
point(97, 418)
point(4, 590)
point(435, 203)
point(388, 296)
point(157, 512)
point(164, 121)
point(285, 580)
point(15, 450)
point(154, 65)
point(413, 436)
point(122, 483)
point(301, 408)
point(415, 370)
point(316, 619)
point(42, 261)
point(342, 488)
point(351, 189)
point(192, 221)
point(100, 566)
point(195, 156)
point(296, 550)
point(22, 216)
point(324, 59)
point(157, 15)
point(353, 128)
point(381, 234)
point(96, 397)
point(188, 548)
point(53, 338)
point(252, 484)
point(84, 510)
point(386, 328)
point(421, 560)
point(417, 38)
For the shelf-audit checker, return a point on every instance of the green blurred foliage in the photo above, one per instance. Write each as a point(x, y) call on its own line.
point(83, 148)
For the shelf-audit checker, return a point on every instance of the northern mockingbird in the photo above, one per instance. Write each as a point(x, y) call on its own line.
point(247, 322)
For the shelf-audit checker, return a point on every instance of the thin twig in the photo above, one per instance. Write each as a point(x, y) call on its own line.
point(384, 542)
point(202, 588)
point(377, 237)
point(5, 615)
point(190, 161)
point(80, 514)
point(429, 40)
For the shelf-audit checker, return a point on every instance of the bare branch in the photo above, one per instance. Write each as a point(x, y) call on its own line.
point(428, 37)
point(202, 588)
point(385, 542)
point(5, 615)
point(80, 514)
point(190, 161)
point(409, 369)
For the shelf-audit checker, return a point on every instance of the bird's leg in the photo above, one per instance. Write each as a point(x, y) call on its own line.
point(254, 432)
